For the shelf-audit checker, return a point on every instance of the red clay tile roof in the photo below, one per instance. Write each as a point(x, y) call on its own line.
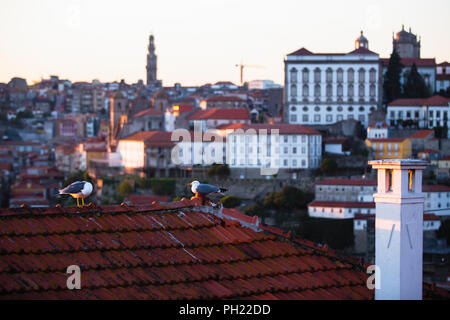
point(422, 134)
point(444, 64)
point(435, 188)
point(443, 77)
point(447, 158)
point(283, 128)
point(301, 52)
point(429, 151)
point(388, 140)
point(221, 114)
point(435, 101)
point(143, 199)
point(362, 50)
point(154, 252)
point(337, 204)
point(224, 98)
point(152, 138)
point(408, 62)
point(347, 182)
point(148, 112)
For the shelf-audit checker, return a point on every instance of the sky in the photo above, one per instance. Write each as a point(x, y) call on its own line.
point(200, 41)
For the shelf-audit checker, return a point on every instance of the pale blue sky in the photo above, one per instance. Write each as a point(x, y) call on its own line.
point(200, 41)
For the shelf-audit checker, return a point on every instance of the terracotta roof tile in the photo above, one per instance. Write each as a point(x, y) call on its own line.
point(186, 252)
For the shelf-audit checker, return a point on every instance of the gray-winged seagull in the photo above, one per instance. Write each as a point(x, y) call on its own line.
point(79, 189)
point(201, 190)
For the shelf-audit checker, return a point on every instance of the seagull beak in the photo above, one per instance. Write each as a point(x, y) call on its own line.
point(189, 184)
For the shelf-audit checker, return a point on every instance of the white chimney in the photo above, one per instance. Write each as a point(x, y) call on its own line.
point(399, 229)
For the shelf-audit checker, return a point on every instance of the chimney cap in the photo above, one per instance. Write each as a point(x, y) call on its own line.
point(399, 163)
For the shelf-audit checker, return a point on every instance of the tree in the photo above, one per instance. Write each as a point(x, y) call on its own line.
point(444, 231)
point(415, 86)
point(218, 170)
point(391, 84)
point(231, 201)
point(124, 189)
point(328, 166)
point(255, 209)
point(163, 186)
point(269, 200)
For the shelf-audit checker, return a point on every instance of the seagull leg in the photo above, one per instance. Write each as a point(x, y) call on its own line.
point(77, 203)
point(82, 199)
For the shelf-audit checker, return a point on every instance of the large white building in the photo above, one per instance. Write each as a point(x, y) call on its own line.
point(345, 198)
point(427, 113)
point(325, 88)
point(286, 148)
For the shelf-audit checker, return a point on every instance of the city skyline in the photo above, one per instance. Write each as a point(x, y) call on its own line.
point(195, 45)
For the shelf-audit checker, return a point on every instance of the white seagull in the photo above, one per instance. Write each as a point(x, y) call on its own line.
point(201, 190)
point(79, 189)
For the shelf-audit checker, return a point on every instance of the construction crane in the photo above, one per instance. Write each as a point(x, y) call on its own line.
point(242, 66)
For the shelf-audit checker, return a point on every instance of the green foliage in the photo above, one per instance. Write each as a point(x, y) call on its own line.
point(391, 84)
point(218, 170)
point(144, 183)
point(255, 209)
point(269, 200)
point(3, 117)
point(328, 166)
point(289, 198)
point(415, 86)
point(124, 189)
point(163, 186)
point(338, 234)
point(25, 114)
point(444, 231)
point(231, 201)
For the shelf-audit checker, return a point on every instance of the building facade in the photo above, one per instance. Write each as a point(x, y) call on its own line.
point(325, 88)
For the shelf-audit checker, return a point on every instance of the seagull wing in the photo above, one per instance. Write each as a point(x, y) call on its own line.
point(207, 189)
point(73, 188)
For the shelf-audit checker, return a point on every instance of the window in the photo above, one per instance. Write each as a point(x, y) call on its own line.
point(361, 109)
point(317, 109)
point(329, 75)
point(305, 90)
point(329, 90)
point(305, 118)
point(317, 75)
point(293, 90)
point(372, 75)
point(362, 75)
point(293, 118)
point(340, 75)
point(362, 118)
point(372, 90)
point(317, 118)
point(339, 117)
point(294, 163)
point(361, 91)
point(329, 118)
point(305, 109)
point(305, 73)
point(340, 109)
point(340, 90)
point(351, 75)
point(294, 150)
point(351, 90)
point(317, 90)
point(294, 75)
point(350, 109)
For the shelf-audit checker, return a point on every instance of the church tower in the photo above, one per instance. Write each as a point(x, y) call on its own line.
point(406, 44)
point(362, 42)
point(151, 63)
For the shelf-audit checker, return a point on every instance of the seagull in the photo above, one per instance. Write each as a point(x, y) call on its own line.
point(79, 189)
point(202, 190)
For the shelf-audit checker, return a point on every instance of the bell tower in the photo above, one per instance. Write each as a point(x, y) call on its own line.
point(399, 229)
point(151, 63)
